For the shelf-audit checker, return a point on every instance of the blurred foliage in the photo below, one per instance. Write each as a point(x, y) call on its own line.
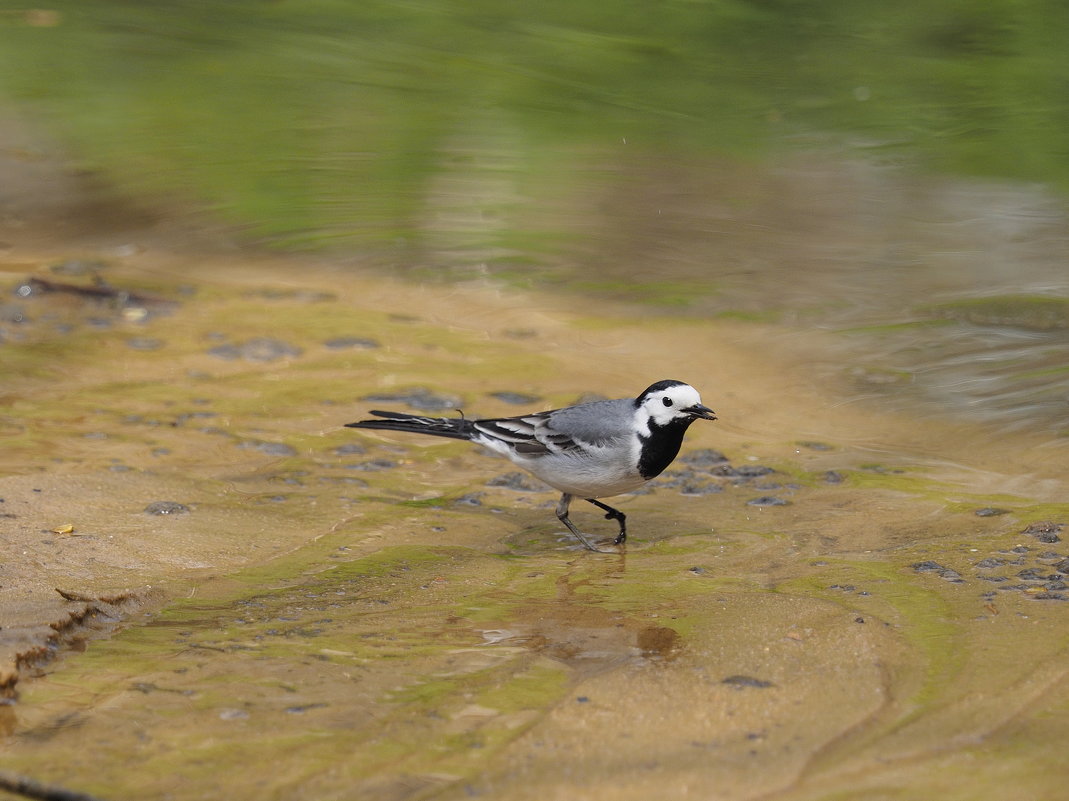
point(324, 122)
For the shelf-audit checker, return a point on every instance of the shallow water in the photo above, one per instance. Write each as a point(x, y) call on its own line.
point(378, 617)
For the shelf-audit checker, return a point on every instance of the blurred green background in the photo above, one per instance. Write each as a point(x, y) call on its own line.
point(322, 123)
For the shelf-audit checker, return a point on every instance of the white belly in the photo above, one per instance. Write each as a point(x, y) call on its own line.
point(584, 478)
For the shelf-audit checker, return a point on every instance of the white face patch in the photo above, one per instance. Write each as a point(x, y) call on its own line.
point(666, 405)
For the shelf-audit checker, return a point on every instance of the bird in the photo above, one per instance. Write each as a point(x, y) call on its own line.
point(589, 451)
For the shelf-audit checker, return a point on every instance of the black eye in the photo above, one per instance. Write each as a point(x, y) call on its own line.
point(667, 401)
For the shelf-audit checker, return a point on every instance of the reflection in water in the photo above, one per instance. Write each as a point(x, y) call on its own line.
point(891, 266)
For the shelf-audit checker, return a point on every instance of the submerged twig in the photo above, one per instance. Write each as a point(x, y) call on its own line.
point(100, 290)
point(30, 788)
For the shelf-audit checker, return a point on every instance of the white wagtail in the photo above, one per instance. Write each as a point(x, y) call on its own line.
point(593, 450)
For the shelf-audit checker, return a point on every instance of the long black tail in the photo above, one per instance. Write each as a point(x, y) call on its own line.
point(454, 428)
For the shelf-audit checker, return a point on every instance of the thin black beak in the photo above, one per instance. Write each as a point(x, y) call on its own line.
point(698, 410)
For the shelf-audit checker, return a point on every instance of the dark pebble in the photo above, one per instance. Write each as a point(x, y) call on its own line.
point(471, 499)
point(418, 398)
point(520, 482)
point(700, 489)
point(745, 471)
point(834, 477)
point(1048, 596)
point(1044, 532)
point(992, 562)
point(928, 566)
point(1063, 567)
point(767, 500)
point(515, 398)
point(746, 681)
point(373, 465)
point(1030, 574)
point(704, 457)
point(343, 343)
point(166, 508)
point(697, 571)
point(258, 349)
point(991, 511)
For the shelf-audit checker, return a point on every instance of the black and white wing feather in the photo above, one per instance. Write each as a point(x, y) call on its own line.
point(561, 431)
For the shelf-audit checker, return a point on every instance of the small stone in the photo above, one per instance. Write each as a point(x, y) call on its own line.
point(746, 681)
point(951, 575)
point(992, 562)
point(753, 470)
point(767, 500)
point(471, 499)
point(373, 465)
point(1044, 532)
point(834, 477)
point(704, 457)
point(166, 508)
point(694, 489)
point(928, 566)
point(343, 343)
point(991, 511)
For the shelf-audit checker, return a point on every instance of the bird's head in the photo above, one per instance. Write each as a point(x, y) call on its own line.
point(673, 402)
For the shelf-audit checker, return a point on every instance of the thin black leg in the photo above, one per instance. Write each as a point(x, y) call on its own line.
point(613, 514)
point(562, 515)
